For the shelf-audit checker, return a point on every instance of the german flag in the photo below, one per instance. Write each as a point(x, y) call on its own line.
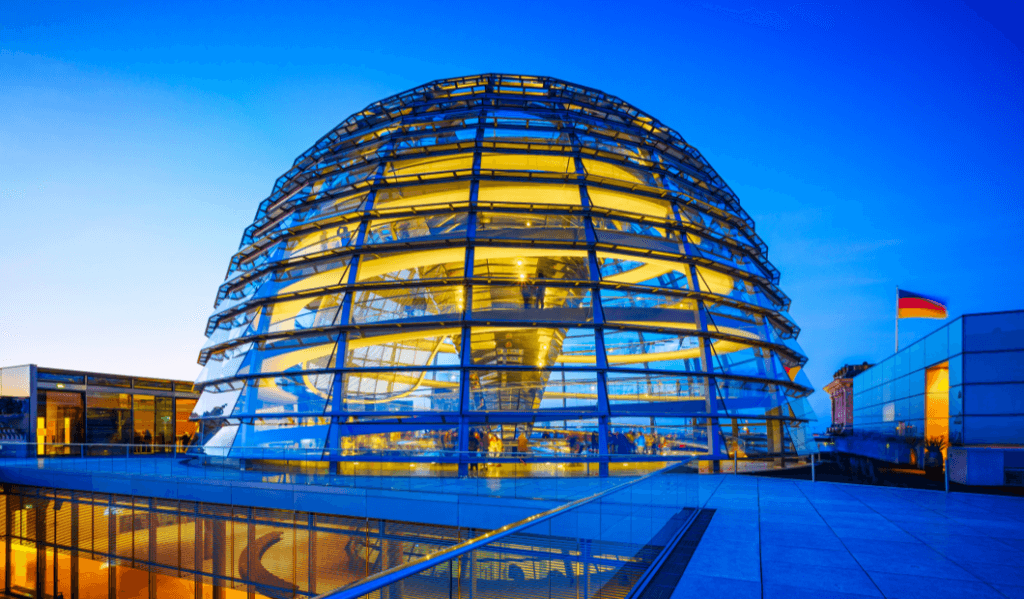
point(915, 305)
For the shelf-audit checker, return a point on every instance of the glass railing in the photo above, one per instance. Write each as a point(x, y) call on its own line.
point(597, 546)
point(506, 474)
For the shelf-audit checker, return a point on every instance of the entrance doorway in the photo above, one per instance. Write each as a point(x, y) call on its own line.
point(936, 404)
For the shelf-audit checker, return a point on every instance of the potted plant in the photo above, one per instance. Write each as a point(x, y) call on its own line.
point(933, 462)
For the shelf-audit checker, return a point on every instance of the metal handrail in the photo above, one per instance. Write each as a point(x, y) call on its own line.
point(382, 579)
point(275, 453)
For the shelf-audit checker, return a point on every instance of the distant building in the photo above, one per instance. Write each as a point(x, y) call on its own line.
point(67, 412)
point(840, 390)
point(963, 384)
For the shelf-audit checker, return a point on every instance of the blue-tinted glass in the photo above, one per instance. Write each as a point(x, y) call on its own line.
point(956, 370)
point(401, 391)
point(290, 354)
point(956, 332)
point(281, 438)
point(218, 401)
point(637, 392)
point(994, 367)
point(994, 399)
point(303, 394)
point(992, 430)
point(403, 348)
point(915, 407)
point(532, 390)
point(664, 351)
point(902, 387)
point(916, 356)
point(917, 382)
point(901, 364)
point(993, 332)
point(936, 347)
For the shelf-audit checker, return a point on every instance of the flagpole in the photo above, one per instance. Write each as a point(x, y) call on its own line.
point(897, 319)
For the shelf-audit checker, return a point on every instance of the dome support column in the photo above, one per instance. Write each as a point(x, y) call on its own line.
point(337, 401)
point(603, 408)
point(714, 429)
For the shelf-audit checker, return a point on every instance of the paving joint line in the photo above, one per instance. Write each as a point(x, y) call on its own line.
point(841, 542)
point(928, 545)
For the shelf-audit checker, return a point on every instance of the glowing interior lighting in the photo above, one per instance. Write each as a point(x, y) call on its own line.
point(432, 237)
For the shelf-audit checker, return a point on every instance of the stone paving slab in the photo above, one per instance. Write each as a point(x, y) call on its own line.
point(792, 539)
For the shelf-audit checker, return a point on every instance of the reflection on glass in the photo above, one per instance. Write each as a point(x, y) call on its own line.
point(528, 391)
point(639, 349)
point(440, 226)
point(301, 393)
point(533, 301)
point(406, 304)
point(402, 348)
point(62, 421)
point(403, 391)
point(530, 265)
point(650, 272)
point(533, 226)
point(108, 420)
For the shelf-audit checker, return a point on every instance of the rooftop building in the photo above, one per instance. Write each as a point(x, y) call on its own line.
point(960, 387)
point(66, 412)
point(840, 392)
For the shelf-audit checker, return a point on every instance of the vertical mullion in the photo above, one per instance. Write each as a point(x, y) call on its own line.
point(707, 357)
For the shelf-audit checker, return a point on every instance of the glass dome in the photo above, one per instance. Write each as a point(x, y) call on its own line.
point(498, 265)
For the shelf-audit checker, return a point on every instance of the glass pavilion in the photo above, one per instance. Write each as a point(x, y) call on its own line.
point(502, 267)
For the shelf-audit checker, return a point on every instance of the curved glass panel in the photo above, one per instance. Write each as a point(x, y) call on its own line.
point(532, 390)
point(305, 394)
point(401, 391)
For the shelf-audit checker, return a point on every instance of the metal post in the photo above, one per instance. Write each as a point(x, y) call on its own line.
point(735, 461)
point(812, 467)
point(945, 470)
point(9, 527)
point(152, 519)
point(897, 319)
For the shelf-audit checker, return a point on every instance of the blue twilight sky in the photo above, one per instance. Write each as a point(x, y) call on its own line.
point(875, 144)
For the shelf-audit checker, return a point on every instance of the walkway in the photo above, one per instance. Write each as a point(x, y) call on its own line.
point(469, 502)
point(776, 538)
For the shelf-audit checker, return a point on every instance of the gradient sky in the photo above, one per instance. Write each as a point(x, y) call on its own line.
point(875, 144)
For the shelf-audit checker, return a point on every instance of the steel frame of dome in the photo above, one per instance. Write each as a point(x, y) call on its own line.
point(606, 279)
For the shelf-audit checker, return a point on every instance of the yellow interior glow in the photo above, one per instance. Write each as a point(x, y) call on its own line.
point(298, 357)
point(625, 202)
point(525, 193)
point(612, 171)
point(526, 162)
point(425, 195)
point(320, 279)
point(712, 281)
point(286, 311)
point(433, 164)
point(404, 379)
point(494, 253)
point(372, 268)
point(936, 402)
